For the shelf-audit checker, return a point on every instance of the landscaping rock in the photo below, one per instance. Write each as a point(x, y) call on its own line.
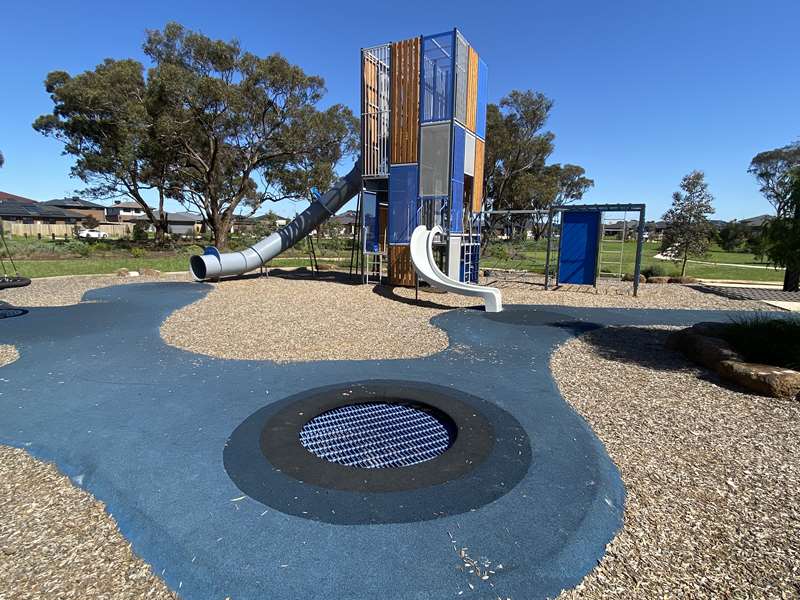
point(703, 344)
point(766, 380)
point(629, 277)
point(151, 272)
point(682, 280)
point(658, 280)
point(123, 272)
point(703, 349)
point(710, 328)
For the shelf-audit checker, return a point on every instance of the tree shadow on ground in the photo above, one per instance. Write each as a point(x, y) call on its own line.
point(300, 274)
point(643, 346)
point(647, 347)
point(387, 291)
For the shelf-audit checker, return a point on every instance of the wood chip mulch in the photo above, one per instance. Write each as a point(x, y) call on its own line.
point(57, 541)
point(295, 317)
point(712, 473)
point(8, 354)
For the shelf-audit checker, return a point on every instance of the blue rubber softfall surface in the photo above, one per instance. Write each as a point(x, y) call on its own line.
point(142, 426)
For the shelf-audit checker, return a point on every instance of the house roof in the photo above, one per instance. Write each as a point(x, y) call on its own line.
point(14, 197)
point(130, 204)
point(176, 217)
point(755, 221)
point(346, 218)
point(21, 208)
point(73, 202)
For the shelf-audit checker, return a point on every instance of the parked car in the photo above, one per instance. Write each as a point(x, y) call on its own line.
point(92, 234)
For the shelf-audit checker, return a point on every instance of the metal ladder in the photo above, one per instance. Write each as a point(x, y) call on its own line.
point(612, 258)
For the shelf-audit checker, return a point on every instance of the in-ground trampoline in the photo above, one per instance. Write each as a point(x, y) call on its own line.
point(250, 479)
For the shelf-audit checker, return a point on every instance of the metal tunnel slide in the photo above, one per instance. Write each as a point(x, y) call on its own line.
point(425, 265)
point(212, 264)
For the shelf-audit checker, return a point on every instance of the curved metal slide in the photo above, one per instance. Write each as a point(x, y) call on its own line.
point(212, 264)
point(425, 265)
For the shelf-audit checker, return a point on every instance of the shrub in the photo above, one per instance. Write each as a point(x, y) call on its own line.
point(765, 340)
point(139, 233)
point(192, 249)
point(78, 247)
point(138, 252)
point(655, 270)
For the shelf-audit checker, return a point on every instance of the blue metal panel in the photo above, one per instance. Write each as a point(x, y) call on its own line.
point(369, 204)
point(457, 184)
point(403, 182)
point(436, 77)
point(578, 247)
point(483, 98)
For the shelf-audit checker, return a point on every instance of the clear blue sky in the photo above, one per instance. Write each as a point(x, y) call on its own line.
point(644, 91)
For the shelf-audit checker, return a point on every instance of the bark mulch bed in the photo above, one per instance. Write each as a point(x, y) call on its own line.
point(712, 473)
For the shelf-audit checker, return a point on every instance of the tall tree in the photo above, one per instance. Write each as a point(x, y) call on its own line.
point(209, 125)
point(772, 169)
point(776, 171)
point(105, 122)
point(517, 149)
point(688, 231)
point(2, 159)
point(732, 236)
point(781, 236)
point(244, 130)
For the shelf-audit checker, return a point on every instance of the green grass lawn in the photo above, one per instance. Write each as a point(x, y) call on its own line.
point(531, 256)
point(44, 259)
point(101, 266)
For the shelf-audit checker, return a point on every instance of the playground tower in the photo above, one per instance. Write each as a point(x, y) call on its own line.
point(423, 126)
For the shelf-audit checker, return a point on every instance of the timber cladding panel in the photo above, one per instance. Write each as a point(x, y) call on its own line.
point(370, 104)
point(405, 101)
point(472, 89)
point(401, 269)
point(477, 181)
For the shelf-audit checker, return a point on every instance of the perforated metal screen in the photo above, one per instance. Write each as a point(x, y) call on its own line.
point(376, 436)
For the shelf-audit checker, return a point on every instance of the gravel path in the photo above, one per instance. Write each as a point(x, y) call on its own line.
point(294, 317)
point(712, 474)
point(62, 291)
point(57, 541)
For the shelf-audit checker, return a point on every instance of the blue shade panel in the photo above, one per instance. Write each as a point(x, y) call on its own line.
point(437, 77)
point(370, 212)
point(375, 435)
point(578, 247)
point(483, 98)
point(457, 184)
point(403, 183)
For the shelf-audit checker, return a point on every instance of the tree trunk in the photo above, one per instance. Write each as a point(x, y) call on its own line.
point(685, 260)
point(791, 281)
point(221, 227)
point(220, 235)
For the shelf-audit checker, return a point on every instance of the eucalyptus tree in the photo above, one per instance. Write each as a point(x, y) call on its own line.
point(207, 124)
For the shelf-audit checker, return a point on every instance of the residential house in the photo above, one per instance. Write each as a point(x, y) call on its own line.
point(84, 207)
point(754, 224)
point(18, 209)
point(178, 223)
point(345, 223)
point(120, 212)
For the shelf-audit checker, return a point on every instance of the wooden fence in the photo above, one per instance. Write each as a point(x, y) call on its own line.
point(61, 230)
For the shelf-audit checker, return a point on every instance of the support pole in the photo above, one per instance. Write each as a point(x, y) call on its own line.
point(547, 255)
point(637, 269)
